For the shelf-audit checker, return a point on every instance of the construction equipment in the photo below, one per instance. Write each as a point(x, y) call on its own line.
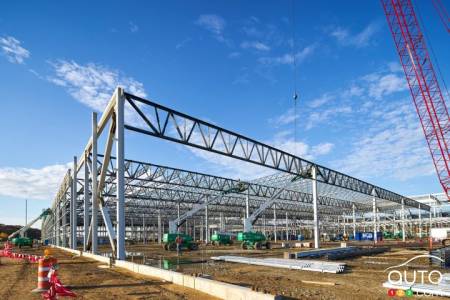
point(221, 239)
point(423, 83)
point(175, 224)
point(169, 242)
point(22, 240)
point(253, 240)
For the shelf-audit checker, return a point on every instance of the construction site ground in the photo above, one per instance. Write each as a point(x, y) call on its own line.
point(364, 276)
point(90, 280)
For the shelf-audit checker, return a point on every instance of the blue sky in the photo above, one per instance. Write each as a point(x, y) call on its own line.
point(229, 62)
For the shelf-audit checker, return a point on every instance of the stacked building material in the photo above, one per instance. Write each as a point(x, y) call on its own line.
point(306, 265)
point(442, 253)
point(341, 253)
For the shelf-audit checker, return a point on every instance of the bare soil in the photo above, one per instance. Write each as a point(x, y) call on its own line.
point(87, 280)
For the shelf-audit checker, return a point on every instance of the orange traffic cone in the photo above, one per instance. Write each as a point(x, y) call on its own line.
point(44, 267)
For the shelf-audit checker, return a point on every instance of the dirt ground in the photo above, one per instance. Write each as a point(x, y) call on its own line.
point(87, 280)
point(364, 275)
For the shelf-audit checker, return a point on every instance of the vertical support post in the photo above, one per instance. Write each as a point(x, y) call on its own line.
point(287, 228)
point(247, 209)
point(120, 178)
point(264, 224)
point(275, 222)
point(193, 228)
point(86, 216)
point(315, 208)
point(374, 219)
point(354, 220)
point(206, 225)
point(159, 227)
point(403, 221)
point(344, 221)
point(431, 224)
point(420, 222)
point(94, 174)
point(144, 232)
point(57, 220)
point(178, 215)
point(73, 209)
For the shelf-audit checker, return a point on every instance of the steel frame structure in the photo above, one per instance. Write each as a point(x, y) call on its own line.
point(132, 190)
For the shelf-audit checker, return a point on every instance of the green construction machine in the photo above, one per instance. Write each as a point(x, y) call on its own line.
point(22, 240)
point(219, 239)
point(169, 242)
point(253, 240)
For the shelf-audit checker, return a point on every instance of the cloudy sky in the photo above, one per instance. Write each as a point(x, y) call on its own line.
point(228, 62)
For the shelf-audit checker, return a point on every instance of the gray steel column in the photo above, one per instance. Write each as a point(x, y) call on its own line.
point(431, 225)
point(73, 209)
point(316, 209)
point(354, 220)
point(159, 227)
point(178, 214)
point(193, 228)
point(287, 228)
point(247, 209)
point(94, 224)
point(264, 224)
point(86, 203)
point(374, 219)
point(120, 179)
point(57, 227)
point(420, 222)
point(206, 225)
point(144, 236)
point(275, 221)
point(64, 219)
point(403, 220)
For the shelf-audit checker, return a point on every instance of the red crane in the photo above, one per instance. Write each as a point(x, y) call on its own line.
point(423, 83)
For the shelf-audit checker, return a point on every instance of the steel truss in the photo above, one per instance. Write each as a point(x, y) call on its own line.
point(127, 191)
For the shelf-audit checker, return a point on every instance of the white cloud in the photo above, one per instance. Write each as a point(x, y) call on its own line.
point(234, 54)
point(322, 116)
point(133, 27)
point(13, 51)
point(93, 84)
point(233, 168)
point(322, 149)
point(288, 117)
point(255, 45)
point(317, 102)
point(361, 39)
point(288, 58)
point(27, 183)
point(393, 147)
point(213, 23)
point(382, 85)
point(182, 43)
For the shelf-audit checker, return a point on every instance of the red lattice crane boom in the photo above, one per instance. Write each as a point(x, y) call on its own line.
point(423, 83)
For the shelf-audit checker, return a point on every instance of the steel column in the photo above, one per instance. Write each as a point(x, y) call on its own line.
point(206, 225)
point(94, 223)
point(120, 179)
point(73, 209)
point(354, 220)
point(159, 227)
point(275, 221)
point(374, 219)
point(403, 221)
point(316, 208)
point(86, 216)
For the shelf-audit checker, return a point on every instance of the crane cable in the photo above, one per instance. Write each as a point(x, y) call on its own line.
point(294, 62)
